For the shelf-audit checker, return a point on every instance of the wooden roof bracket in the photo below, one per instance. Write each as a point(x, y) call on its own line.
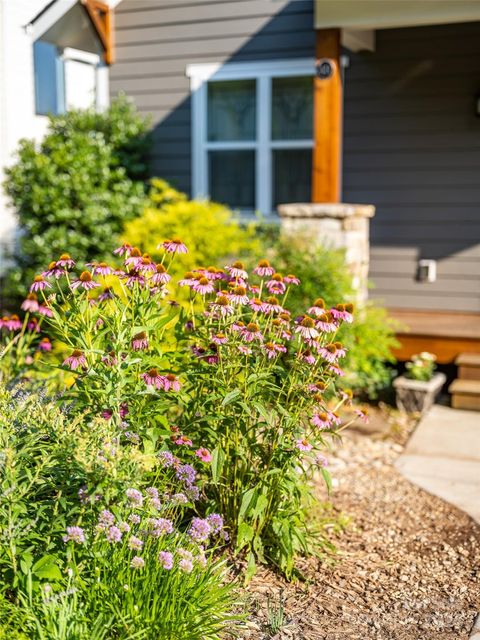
point(101, 16)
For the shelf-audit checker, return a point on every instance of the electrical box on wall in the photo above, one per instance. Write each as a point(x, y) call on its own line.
point(427, 271)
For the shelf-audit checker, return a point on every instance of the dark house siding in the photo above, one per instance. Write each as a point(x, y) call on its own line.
point(411, 137)
point(412, 148)
point(157, 39)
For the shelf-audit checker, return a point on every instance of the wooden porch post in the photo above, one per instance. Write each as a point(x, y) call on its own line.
point(327, 118)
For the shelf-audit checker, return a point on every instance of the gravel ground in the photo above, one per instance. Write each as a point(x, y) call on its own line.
point(407, 567)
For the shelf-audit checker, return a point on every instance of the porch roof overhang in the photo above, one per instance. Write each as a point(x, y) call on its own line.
point(389, 14)
point(81, 24)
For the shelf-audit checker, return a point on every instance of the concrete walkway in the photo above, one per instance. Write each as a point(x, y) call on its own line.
point(443, 457)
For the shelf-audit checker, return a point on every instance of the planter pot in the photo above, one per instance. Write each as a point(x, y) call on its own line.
point(417, 396)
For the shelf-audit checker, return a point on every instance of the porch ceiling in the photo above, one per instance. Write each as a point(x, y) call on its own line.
point(384, 14)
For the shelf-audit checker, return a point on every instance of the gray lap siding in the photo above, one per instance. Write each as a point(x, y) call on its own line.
point(411, 137)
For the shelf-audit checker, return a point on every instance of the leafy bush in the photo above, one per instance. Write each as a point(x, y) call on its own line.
point(421, 367)
point(210, 230)
point(92, 545)
point(231, 380)
point(322, 272)
point(74, 191)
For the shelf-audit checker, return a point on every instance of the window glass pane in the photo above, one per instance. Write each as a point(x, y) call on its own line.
point(46, 68)
point(232, 178)
point(80, 84)
point(291, 175)
point(231, 110)
point(292, 108)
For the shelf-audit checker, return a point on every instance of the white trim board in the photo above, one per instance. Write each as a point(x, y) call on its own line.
point(262, 71)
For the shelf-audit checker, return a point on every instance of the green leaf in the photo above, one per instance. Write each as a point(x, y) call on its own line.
point(230, 397)
point(246, 500)
point(47, 568)
point(251, 567)
point(328, 480)
point(218, 459)
point(261, 505)
point(245, 535)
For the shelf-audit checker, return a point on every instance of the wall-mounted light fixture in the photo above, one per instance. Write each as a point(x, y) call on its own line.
point(427, 271)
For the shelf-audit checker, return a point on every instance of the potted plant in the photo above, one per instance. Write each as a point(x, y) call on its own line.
point(417, 389)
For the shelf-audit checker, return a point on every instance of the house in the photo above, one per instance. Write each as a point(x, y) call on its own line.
point(261, 102)
point(54, 55)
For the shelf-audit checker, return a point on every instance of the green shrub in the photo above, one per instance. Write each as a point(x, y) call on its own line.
point(74, 191)
point(322, 272)
point(210, 230)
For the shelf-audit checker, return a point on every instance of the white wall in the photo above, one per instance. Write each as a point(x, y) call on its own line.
point(17, 99)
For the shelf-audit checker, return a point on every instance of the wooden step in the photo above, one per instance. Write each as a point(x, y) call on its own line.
point(468, 366)
point(465, 394)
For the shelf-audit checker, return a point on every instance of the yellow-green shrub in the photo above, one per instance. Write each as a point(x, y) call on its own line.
point(210, 230)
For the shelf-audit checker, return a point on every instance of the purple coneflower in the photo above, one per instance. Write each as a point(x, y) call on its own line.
point(74, 534)
point(124, 250)
point(107, 294)
point(272, 349)
point(271, 305)
point(45, 310)
point(244, 349)
point(134, 257)
point(85, 281)
point(102, 269)
point(219, 338)
point(45, 345)
point(334, 368)
point(307, 356)
point(321, 420)
point(329, 352)
point(238, 295)
point(237, 270)
point(343, 312)
point(318, 307)
point(256, 304)
point(291, 279)
point(173, 246)
point(204, 455)
point(53, 271)
point(75, 360)
point(321, 461)
point(222, 306)
point(65, 261)
point(134, 277)
point(317, 387)
point(160, 276)
point(303, 444)
point(276, 285)
point(39, 284)
point(326, 323)
point(140, 341)
point(30, 303)
point(252, 332)
point(264, 269)
point(146, 265)
point(183, 441)
point(362, 414)
point(306, 328)
point(168, 382)
point(203, 286)
point(188, 279)
point(165, 559)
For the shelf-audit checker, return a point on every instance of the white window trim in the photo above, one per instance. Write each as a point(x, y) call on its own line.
point(263, 72)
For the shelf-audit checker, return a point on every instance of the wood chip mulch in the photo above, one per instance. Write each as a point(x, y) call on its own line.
point(407, 564)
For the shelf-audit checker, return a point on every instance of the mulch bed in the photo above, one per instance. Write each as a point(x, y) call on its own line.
point(407, 567)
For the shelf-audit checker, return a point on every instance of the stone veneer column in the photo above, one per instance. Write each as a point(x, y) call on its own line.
point(336, 226)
